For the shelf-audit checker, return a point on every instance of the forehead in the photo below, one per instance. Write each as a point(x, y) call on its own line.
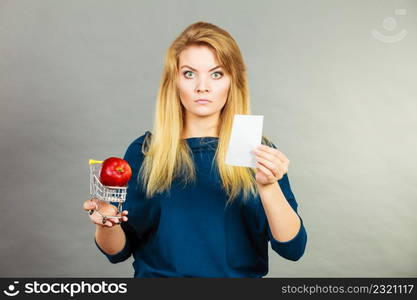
point(199, 57)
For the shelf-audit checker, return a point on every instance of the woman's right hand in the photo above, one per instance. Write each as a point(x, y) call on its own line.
point(105, 209)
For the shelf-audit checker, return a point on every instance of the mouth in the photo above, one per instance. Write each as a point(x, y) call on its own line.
point(202, 101)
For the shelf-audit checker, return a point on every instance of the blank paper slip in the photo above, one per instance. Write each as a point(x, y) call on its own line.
point(246, 136)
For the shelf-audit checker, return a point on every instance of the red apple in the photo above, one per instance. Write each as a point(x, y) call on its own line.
point(115, 172)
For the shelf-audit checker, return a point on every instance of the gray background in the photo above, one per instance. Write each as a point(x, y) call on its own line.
point(78, 80)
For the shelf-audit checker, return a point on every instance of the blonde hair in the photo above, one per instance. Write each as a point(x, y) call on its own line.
point(167, 155)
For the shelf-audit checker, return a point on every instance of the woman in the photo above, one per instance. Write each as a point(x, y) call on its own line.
point(190, 214)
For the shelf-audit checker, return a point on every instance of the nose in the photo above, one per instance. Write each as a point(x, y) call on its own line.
point(201, 90)
point(201, 86)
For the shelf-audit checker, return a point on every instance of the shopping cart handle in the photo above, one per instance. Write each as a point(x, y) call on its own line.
point(92, 161)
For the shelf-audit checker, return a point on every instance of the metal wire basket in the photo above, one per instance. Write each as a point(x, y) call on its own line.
point(116, 194)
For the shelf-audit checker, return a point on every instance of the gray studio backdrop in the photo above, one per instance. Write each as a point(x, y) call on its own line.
point(335, 80)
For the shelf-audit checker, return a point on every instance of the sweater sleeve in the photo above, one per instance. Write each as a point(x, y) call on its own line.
point(294, 248)
point(133, 157)
point(126, 252)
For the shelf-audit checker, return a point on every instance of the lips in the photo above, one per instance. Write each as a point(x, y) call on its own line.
point(202, 101)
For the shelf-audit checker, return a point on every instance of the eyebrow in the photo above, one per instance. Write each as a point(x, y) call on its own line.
point(196, 70)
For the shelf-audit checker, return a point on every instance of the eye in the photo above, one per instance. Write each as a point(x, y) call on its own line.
point(185, 74)
point(220, 75)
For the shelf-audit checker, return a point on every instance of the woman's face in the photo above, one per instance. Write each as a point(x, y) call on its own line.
point(200, 77)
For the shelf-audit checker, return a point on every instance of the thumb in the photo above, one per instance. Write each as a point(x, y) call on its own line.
point(90, 204)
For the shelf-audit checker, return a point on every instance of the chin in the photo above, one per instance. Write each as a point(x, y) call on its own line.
point(203, 114)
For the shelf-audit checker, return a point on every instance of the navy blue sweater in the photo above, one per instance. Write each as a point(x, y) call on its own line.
point(189, 232)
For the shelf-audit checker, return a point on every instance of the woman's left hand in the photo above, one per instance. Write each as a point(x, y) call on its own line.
point(272, 164)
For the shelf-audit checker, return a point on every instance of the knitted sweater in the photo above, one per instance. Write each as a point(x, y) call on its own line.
point(189, 232)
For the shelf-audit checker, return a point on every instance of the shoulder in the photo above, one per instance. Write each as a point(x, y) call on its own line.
point(267, 141)
point(136, 146)
point(142, 139)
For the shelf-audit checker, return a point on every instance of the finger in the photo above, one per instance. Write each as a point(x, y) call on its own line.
point(106, 222)
point(89, 204)
point(276, 168)
point(264, 170)
point(272, 151)
point(278, 154)
point(99, 219)
point(122, 216)
point(96, 218)
point(278, 158)
point(283, 157)
point(93, 207)
point(117, 218)
point(115, 221)
point(279, 172)
point(120, 220)
point(272, 167)
point(265, 154)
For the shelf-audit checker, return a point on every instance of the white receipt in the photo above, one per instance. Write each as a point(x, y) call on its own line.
point(246, 136)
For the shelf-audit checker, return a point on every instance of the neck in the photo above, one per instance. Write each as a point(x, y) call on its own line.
point(196, 126)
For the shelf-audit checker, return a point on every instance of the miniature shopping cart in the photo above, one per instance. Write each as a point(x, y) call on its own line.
point(116, 194)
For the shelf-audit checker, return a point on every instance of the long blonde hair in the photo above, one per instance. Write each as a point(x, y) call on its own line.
point(167, 155)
